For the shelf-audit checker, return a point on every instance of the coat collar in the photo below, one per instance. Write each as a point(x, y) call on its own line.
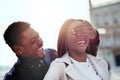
point(64, 59)
point(69, 70)
point(98, 65)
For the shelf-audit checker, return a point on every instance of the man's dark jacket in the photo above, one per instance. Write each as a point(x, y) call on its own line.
point(31, 69)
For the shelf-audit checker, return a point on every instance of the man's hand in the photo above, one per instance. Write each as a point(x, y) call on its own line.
point(84, 29)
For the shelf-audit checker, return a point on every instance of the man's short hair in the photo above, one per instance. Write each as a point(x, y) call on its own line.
point(12, 34)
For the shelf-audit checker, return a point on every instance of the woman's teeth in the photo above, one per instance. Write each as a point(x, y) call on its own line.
point(81, 42)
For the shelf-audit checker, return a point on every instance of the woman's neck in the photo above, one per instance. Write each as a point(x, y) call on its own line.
point(80, 57)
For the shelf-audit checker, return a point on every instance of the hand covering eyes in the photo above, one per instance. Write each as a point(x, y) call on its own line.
point(84, 29)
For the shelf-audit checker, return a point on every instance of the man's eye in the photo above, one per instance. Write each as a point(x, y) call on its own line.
point(33, 41)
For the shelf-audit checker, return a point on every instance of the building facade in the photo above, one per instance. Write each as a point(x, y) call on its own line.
point(106, 18)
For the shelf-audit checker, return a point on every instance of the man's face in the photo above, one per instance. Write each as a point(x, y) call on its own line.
point(31, 44)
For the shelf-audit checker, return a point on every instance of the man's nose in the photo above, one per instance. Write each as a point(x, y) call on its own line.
point(40, 42)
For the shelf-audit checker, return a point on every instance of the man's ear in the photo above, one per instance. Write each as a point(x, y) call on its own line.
point(17, 49)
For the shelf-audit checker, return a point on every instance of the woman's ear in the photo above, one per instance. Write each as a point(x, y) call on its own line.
point(17, 49)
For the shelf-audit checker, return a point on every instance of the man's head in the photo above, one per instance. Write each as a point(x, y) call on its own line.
point(12, 34)
point(24, 40)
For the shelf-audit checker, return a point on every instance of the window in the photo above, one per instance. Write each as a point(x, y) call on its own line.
point(97, 20)
point(115, 17)
point(106, 19)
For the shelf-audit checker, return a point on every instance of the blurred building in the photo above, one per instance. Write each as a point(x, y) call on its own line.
point(106, 18)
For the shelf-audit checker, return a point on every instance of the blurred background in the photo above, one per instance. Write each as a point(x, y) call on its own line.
point(47, 16)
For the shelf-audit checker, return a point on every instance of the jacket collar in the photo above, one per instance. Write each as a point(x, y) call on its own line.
point(64, 59)
point(28, 62)
point(98, 65)
point(69, 70)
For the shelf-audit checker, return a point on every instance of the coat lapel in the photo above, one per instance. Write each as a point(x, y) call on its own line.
point(100, 67)
point(70, 71)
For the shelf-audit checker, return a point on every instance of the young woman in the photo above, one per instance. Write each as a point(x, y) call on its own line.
point(77, 47)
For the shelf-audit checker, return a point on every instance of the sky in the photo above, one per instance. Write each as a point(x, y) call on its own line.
point(45, 16)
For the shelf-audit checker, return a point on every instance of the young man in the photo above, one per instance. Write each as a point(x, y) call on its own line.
point(33, 61)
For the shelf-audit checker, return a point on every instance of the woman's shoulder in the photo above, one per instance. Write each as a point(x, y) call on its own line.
point(60, 61)
point(97, 59)
point(57, 61)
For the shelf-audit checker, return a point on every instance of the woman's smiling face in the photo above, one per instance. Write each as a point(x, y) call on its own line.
point(80, 41)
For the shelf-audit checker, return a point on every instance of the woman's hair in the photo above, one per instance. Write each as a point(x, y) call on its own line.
point(93, 45)
point(62, 44)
